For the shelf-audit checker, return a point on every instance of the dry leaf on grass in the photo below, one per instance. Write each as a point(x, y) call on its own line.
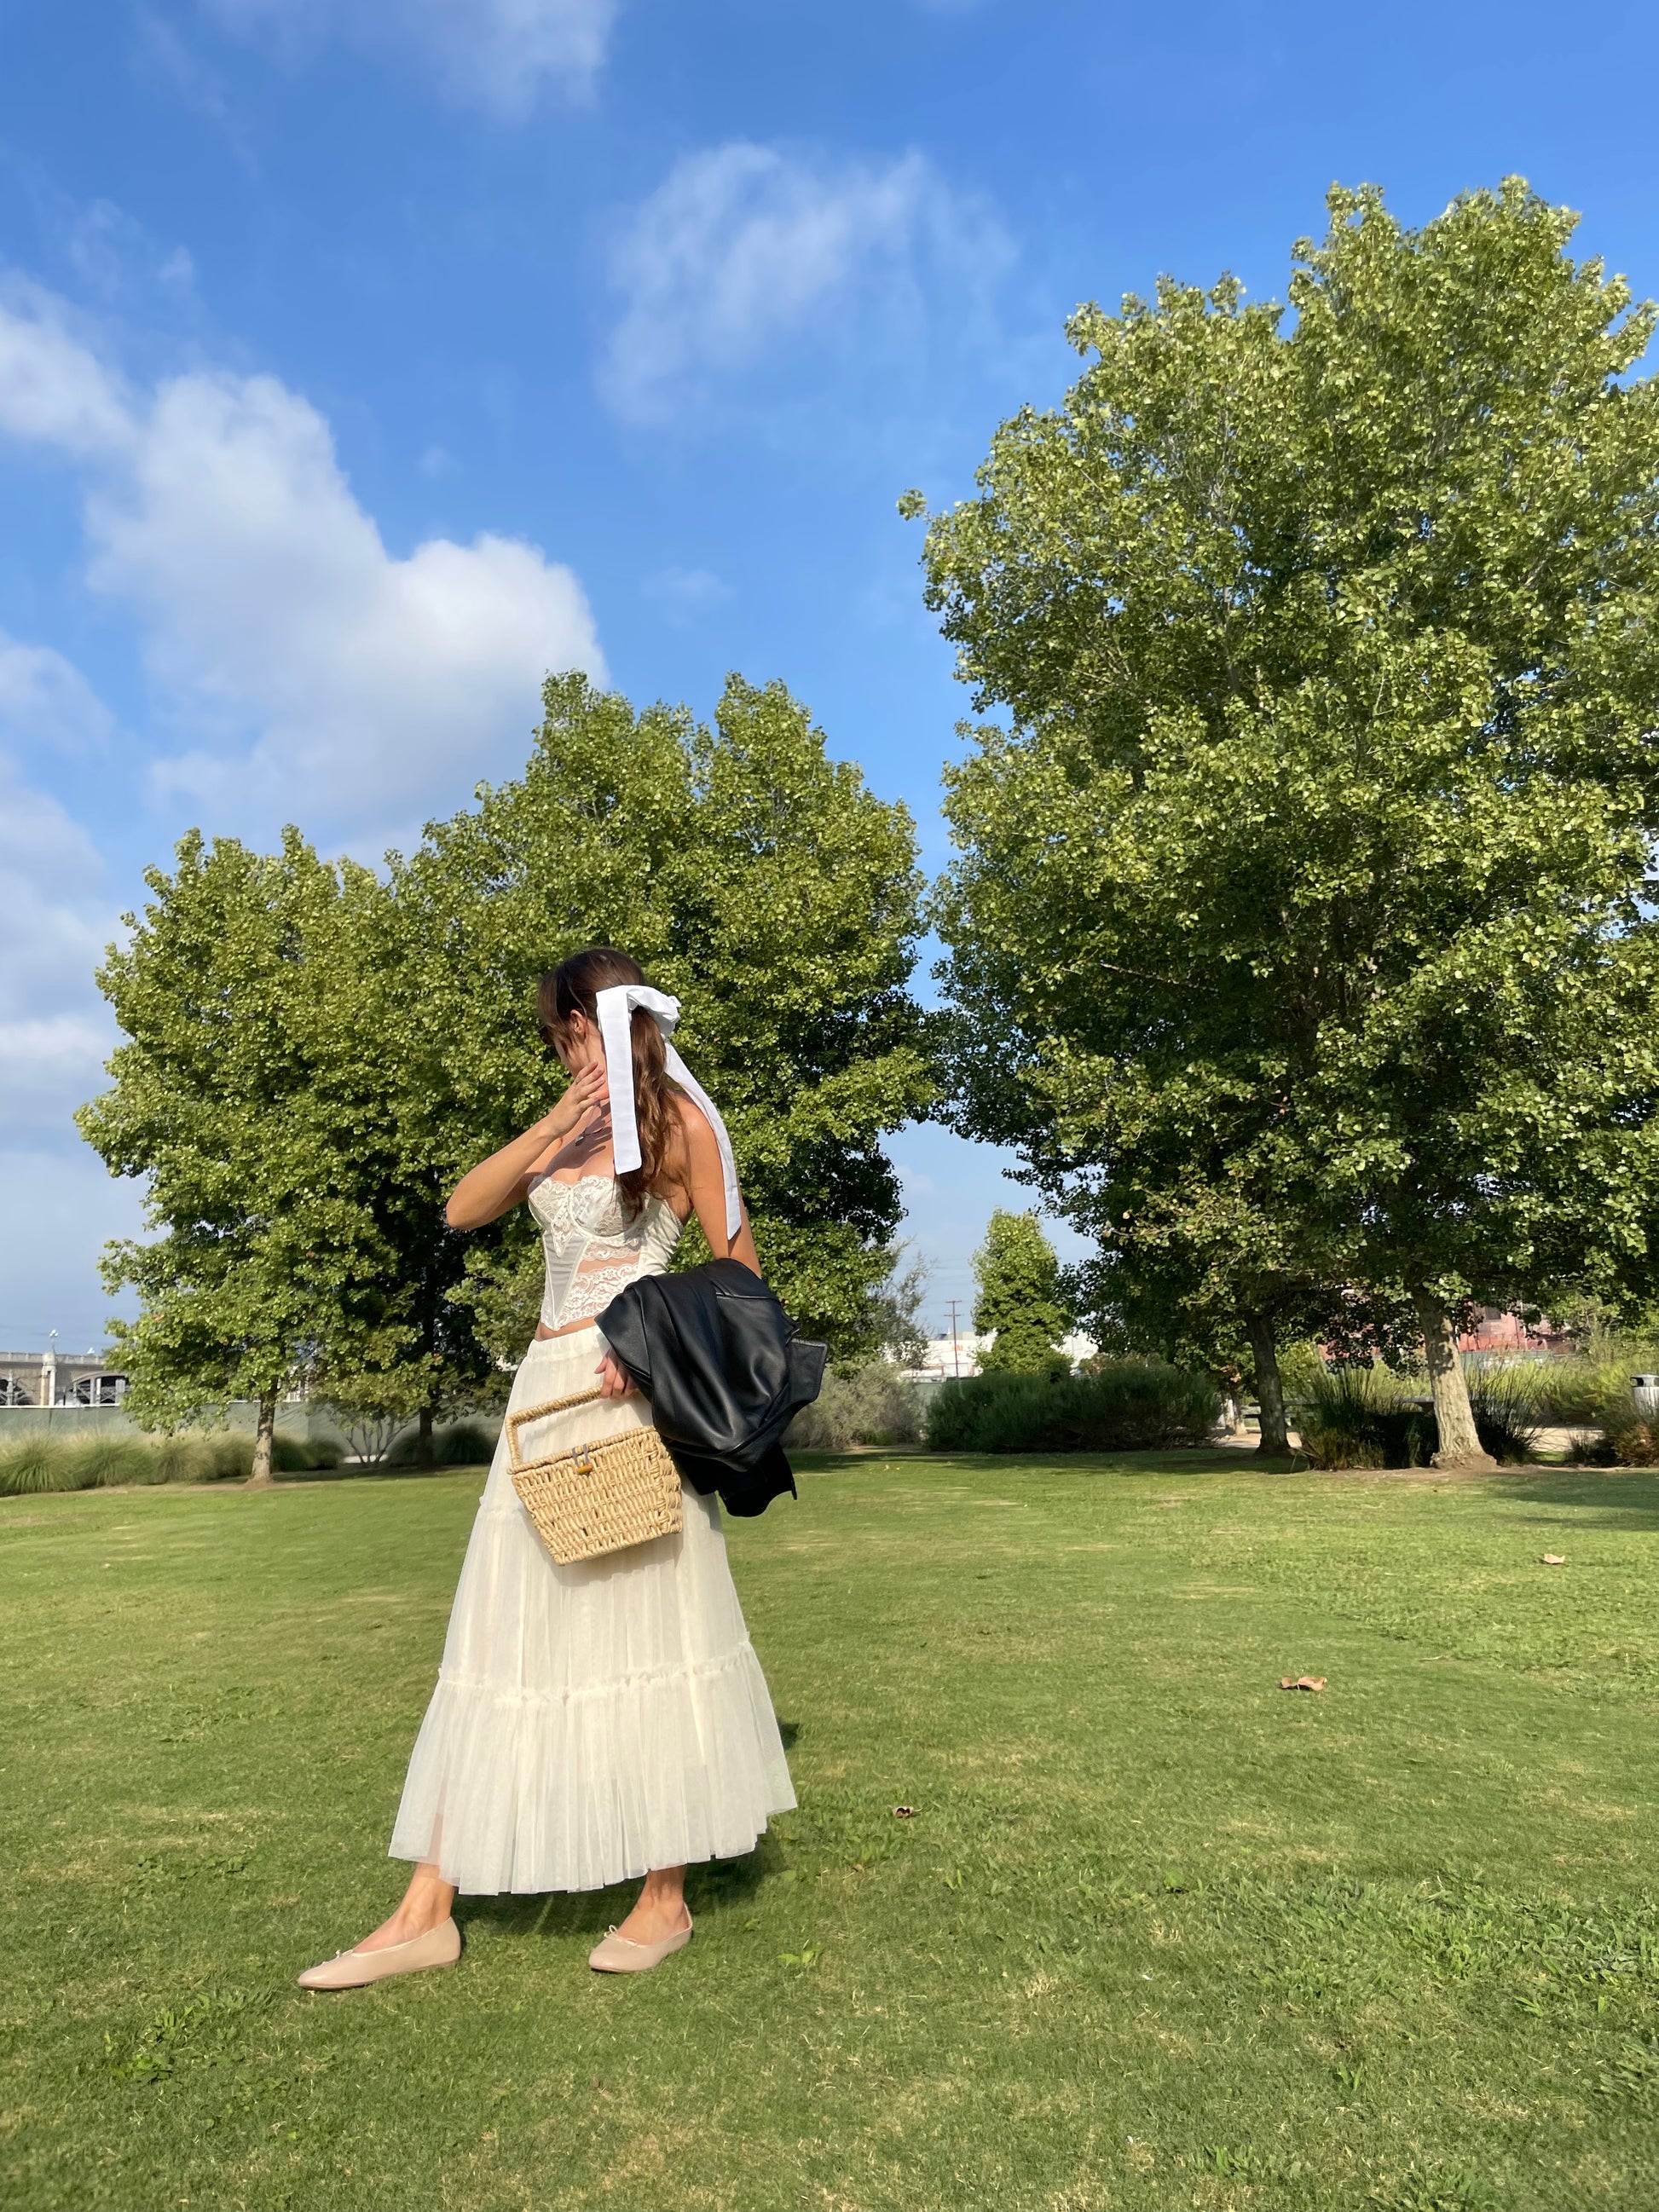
point(1553, 1559)
point(905, 1812)
point(1303, 1682)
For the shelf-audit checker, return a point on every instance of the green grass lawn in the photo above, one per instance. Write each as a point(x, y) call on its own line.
point(1159, 1934)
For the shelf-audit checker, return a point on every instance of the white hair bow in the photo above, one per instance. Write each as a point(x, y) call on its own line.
point(616, 1010)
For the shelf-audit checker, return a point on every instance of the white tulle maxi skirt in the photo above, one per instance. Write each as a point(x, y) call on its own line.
point(590, 1721)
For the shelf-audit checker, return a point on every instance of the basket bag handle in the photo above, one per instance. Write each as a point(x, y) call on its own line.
point(516, 1421)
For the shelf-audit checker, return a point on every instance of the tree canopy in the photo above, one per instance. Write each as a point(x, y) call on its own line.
point(1020, 1301)
point(1299, 932)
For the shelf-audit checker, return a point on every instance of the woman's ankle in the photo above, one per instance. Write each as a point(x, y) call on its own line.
point(427, 1903)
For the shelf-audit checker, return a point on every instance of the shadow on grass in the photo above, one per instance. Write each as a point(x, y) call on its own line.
point(1183, 1460)
point(287, 1479)
point(589, 1912)
point(1608, 1498)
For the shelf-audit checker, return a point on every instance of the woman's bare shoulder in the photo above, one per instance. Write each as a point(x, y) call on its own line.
point(694, 1122)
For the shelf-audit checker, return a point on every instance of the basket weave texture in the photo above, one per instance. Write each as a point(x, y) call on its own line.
point(597, 1496)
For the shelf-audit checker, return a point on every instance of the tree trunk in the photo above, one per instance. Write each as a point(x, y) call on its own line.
point(261, 1477)
point(1453, 1416)
point(423, 1453)
point(1269, 1391)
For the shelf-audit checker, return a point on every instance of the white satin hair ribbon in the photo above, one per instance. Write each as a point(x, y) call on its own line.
point(616, 1007)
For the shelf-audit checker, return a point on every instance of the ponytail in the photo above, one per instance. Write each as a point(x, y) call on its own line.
point(572, 987)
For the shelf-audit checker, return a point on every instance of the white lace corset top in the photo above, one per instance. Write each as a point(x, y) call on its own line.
point(591, 1248)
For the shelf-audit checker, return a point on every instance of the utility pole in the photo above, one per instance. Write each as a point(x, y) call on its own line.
point(956, 1349)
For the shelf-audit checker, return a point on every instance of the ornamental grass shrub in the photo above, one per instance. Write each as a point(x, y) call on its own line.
point(1361, 1417)
point(34, 1463)
point(211, 1456)
point(1123, 1405)
point(876, 1404)
point(1507, 1398)
point(1624, 1435)
point(95, 1459)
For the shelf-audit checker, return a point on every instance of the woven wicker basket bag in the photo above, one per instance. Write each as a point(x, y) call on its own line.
point(599, 1495)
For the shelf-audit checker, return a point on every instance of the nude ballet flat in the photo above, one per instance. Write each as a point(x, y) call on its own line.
point(620, 1954)
point(355, 1970)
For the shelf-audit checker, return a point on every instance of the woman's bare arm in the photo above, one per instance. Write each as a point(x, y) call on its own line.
point(496, 1185)
point(705, 1181)
point(703, 1177)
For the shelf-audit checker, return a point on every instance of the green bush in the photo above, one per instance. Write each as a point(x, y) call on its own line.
point(461, 1444)
point(292, 1455)
point(874, 1405)
point(1124, 1406)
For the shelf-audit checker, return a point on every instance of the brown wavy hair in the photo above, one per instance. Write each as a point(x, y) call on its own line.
point(572, 987)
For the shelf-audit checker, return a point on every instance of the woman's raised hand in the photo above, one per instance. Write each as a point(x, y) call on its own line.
point(488, 1191)
point(585, 1098)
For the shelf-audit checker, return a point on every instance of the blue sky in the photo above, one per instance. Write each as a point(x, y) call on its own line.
point(360, 359)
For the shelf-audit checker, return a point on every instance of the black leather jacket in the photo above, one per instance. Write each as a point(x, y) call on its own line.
point(726, 1373)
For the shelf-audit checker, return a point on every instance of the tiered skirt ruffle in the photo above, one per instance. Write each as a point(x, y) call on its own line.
point(590, 1721)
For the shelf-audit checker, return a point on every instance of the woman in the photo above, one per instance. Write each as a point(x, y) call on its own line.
point(594, 1723)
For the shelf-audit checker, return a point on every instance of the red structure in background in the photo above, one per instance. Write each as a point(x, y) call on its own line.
point(1500, 1330)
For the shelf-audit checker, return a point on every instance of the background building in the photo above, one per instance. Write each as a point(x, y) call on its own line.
point(59, 1378)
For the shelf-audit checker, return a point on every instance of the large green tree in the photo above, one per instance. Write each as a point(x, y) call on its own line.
point(240, 1096)
point(1299, 931)
point(760, 883)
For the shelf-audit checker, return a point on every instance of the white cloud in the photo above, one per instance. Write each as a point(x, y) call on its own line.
point(53, 390)
point(54, 1031)
point(498, 55)
point(308, 666)
point(742, 247)
point(61, 1208)
point(50, 1066)
point(45, 701)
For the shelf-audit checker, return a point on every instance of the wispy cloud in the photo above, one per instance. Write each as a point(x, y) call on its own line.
point(498, 55)
point(745, 250)
point(161, 53)
point(113, 255)
point(683, 596)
